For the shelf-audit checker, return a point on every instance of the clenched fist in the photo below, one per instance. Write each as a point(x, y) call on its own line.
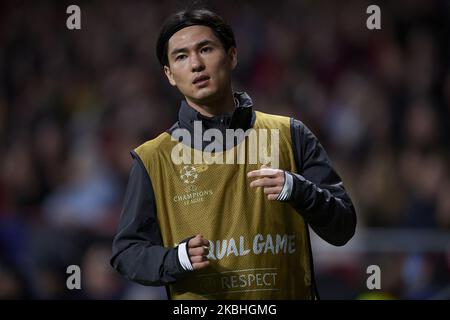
point(198, 249)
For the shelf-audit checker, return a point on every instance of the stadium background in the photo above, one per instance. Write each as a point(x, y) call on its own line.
point(73, 103)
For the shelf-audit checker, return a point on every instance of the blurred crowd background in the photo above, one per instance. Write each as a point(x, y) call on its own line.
point(74, 103)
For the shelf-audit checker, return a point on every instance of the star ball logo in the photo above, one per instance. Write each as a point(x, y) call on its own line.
point(190, 173)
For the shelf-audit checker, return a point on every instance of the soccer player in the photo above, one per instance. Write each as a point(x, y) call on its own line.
point(230, 229)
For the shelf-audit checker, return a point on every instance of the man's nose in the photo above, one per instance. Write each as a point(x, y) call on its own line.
point(197, 63)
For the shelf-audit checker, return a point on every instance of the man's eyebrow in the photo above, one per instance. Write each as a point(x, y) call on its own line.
point(197, 45)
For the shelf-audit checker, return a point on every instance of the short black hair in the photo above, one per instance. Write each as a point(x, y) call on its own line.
point(193, 17)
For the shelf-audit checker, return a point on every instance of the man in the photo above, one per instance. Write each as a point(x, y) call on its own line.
point(225, 230)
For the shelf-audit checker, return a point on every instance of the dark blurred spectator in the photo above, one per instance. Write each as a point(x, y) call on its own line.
point(99, 280)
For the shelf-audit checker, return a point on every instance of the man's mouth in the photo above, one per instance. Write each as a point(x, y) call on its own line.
point(200, 79)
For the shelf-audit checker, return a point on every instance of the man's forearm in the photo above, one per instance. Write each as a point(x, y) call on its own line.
point(138, 252)
point(151, 265)
point(318, 193)
point(332, 218)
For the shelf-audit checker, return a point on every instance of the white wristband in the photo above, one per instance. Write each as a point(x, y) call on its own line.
point(183, 257)
point(285, 193)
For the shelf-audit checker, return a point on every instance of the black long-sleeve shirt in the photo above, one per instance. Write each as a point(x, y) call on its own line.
point(318, 195)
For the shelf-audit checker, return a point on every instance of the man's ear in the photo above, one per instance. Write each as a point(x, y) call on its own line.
point(169, 75)
point(232, 55)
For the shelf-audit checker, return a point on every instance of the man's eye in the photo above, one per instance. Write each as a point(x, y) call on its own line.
point(206, 49)
point(180, 57)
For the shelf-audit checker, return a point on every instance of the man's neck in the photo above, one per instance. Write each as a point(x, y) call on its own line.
point(224, 105)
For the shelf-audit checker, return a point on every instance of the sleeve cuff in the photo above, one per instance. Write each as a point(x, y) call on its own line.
point(183, 257)
point(286, 192)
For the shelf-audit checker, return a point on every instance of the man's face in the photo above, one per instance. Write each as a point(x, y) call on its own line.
point(198, 64)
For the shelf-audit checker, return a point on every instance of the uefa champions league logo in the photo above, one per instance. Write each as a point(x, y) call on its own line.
point(190, 173)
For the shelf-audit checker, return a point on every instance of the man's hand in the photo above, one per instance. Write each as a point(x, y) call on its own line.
point(272, 180)
point(198, 249)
